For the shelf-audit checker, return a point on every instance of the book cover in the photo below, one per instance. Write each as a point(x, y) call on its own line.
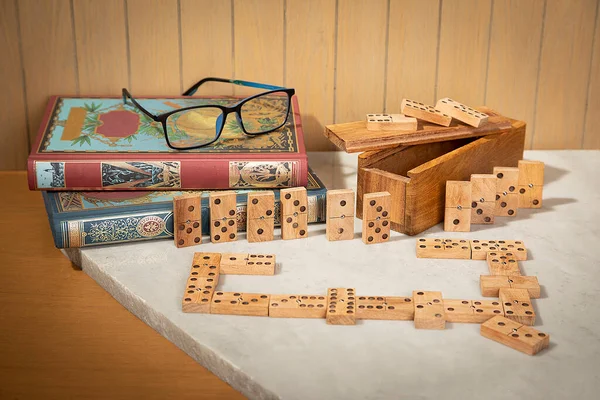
point(96, 143)
point(82, 219)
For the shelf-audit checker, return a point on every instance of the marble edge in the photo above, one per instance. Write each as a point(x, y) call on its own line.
point(203, 355)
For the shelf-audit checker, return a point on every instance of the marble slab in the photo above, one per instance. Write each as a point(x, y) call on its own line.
point(268, 358)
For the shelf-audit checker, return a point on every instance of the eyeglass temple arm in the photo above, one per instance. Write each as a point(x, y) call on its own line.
point(127, 95)
point(194, 88)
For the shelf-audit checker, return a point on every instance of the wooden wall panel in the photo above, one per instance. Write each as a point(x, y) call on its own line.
point(360, 65)
point(101, 52)
point(206, 44)
point(414, 29)
point(464, 40)
point(564, 74)
point(309, 62)
point(13, 118)
point(154, 47)
point(258, 42)
point(534, 60)
point(591, 134)
point(49, 59)
point(514, 58)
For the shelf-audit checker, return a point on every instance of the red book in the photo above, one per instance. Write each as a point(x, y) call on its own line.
point(95, 143)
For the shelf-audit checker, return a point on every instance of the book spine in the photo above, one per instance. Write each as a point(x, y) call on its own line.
point(149, 225)
point(185, 174)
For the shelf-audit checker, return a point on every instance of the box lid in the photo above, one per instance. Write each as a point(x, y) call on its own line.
point(353, 137)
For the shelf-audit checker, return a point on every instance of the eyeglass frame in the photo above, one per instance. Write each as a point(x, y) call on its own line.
point(226, 110)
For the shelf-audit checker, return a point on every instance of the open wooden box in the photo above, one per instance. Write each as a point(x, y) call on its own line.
point(416, 175)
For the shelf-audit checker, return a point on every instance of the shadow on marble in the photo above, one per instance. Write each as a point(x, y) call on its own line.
point(543, 292)
point(539, 321)
point(549, 205)
point(552, 174)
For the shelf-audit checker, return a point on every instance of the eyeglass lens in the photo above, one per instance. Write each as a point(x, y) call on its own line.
point(196, 127)
point(265, 113)
point(200, 126)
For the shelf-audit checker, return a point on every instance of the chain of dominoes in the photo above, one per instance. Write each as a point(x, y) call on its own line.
point(505, 319)
point(260, 213)
point(505, 281)
point(487, 196)
point(412, 111)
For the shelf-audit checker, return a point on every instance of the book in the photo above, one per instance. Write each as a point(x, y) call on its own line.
point(96, 143)
point(82, 219)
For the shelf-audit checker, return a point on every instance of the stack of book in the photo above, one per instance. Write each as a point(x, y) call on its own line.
point(108, 175)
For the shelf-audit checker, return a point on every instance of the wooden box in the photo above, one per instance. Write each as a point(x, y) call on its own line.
point(416, 175)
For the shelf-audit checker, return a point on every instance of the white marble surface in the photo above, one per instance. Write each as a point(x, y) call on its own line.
point(306, 359)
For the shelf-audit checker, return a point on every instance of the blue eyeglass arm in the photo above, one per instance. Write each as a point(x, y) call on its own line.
point(127, 95)
point(194, 88)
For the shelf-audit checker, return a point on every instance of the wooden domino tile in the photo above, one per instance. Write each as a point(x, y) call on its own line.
point(297, 306)
point(530, 184)
point(294, 213)
point(235, 303)
point(429, 310)
point(341, 306)
point(503, 263)
point(340, 214)
point(376, 217)
point(461, 112)
point(425, 112)
point(480, 248)
point(260, 216)
point(223, 219)
point(513, 334)
point(491, 284)
point(247, 264)
point(201, 284)
point(187, 216)
point(385, 308)
point(483, 194)
point(507, 199)
point(472, 311)
point(517, 306)
point(391, 122)
point(444, 248)
point(457, 214)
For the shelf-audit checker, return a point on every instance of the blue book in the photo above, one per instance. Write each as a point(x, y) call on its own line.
point(83, 219)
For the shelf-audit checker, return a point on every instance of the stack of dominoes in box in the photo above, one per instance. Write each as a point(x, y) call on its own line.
point(486, 196)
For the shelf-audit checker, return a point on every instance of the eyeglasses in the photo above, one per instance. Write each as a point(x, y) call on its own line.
point(198, 126)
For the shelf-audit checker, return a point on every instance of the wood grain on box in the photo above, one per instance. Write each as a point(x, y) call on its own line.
point(416, 175)
point(353, 137)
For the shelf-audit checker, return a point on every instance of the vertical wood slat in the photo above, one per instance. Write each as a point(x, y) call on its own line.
point(362, 27)
point(514, 59)
point(258, 38)
point(101, 52)
point(310, 55)
point(48, 54)
point(13, 118)
point(154, 47)
point(564, 73)
point(464, 39)
point(206, 44)
point(412, 52)
point(591, 134)
point(65, 53)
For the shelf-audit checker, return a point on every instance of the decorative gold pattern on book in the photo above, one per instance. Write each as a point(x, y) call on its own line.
point(141, 174)
point(267, 174)
point(75, 239)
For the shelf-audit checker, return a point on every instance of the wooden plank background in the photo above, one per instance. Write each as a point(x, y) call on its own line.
point(536, 60)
